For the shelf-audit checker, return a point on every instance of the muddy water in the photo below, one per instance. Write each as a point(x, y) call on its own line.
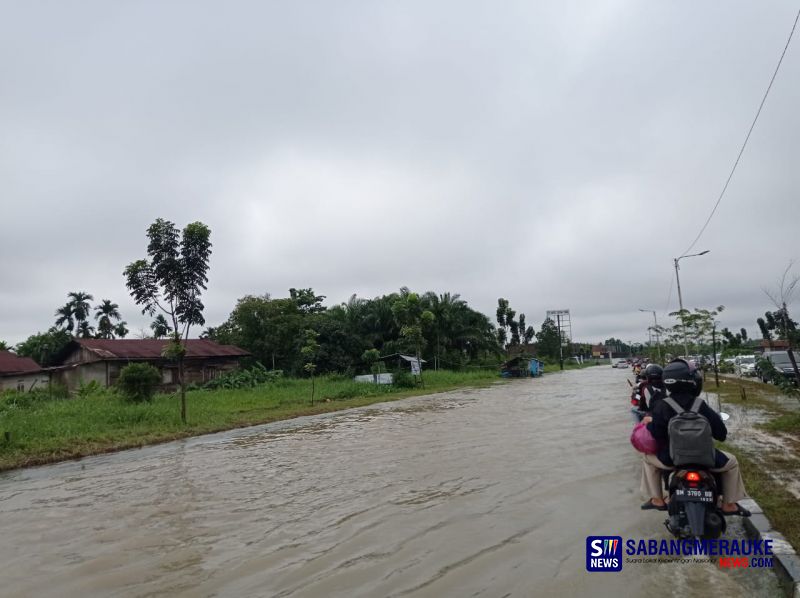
point(471, 493)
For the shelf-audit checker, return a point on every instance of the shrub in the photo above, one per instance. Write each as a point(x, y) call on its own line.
point(244, 378)
point(138, 382)
point(88, 389)
point(403, 379)
point(14, 399)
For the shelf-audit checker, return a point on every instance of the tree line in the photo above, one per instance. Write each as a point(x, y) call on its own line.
point(296, 334)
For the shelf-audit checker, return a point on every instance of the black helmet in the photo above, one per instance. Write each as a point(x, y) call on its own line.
point(683, 376)
point(653, 372)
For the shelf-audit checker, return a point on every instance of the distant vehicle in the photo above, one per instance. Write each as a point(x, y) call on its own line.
point(621, 363)
point(745, 365)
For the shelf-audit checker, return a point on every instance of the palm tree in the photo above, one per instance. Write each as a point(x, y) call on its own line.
point(447, 310)
point(160, 327)
point(104, 314)
point(85, 330)
point(65, 317)
point(79, 302)
point(121, 330)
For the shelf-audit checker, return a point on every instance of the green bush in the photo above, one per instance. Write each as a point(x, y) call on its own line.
point(403, 379)
point(244, 378)
point(14, 399)
point(89, 389)
point(138, 382)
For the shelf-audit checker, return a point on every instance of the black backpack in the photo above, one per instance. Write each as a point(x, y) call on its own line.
point(690, 438)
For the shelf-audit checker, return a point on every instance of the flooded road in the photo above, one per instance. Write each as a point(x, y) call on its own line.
point(470, 493)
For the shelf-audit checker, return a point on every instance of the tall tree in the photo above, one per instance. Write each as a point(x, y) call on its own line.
point(160, 327)
point(44, 347)
point(65, 318)
point(549, 339)
point(446, 309)
point(766, 334)
point(81, 309)
point(85, 330)
point(413, 318)
point(781, 297)
point(172, 281)
point(106, 314)
point(309, 352)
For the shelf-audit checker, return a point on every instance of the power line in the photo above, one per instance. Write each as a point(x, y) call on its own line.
point(747, 138)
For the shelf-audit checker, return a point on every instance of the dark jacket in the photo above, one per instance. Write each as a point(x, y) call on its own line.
point(659, 427)
point(650, 394)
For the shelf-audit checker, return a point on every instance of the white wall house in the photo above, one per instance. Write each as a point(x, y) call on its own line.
point(20, 373)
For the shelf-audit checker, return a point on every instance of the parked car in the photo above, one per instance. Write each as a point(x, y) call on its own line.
point(782, 364)
point(745, 365)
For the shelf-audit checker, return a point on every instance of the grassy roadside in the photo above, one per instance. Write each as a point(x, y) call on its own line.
point(779, 505)
point(763, 468)
point(47, 431)
point(748, 393)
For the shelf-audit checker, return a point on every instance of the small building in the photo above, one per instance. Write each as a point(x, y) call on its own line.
point(522, 366)
point(100, 360)
point(774, 345)
point(404, 361)
point(20, 373)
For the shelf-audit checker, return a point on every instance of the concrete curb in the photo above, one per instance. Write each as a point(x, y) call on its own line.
point(787, 562)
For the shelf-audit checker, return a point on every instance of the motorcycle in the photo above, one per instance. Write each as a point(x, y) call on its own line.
point(693, 505)
point(694, 500)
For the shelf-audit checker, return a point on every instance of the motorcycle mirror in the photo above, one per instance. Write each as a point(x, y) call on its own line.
point(725, 417)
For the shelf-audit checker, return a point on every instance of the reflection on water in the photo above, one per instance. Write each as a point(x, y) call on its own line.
point(480, 493)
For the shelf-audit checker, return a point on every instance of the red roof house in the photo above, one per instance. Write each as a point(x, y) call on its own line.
point(20, 373)
point(101, 360)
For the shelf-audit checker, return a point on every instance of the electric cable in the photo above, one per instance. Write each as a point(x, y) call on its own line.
point(746, 139)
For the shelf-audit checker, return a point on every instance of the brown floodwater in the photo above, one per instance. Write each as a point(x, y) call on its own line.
point(471, 493)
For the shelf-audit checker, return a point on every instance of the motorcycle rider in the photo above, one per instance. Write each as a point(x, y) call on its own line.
point(684, 382)
point(650, 389)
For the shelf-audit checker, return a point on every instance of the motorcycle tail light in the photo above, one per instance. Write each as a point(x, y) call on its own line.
point(692, 476)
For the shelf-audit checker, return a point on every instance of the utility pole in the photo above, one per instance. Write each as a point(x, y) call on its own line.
point(680, 303)
point(680, 299)
point(714, 349)
point(560, 343)
point(655, 331)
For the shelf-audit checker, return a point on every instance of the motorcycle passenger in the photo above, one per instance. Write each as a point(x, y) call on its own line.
point(684, 382)
point(652, 387)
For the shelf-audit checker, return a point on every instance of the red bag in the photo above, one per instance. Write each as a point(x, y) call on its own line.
point(642, 440)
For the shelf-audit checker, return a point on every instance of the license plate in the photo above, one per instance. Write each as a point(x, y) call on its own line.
point(693, 495)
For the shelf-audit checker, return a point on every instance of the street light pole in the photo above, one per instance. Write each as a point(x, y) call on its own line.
point(655, 329)
point(680, 299)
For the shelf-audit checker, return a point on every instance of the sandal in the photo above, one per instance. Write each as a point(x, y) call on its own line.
point(649, 506)
point(740, 510)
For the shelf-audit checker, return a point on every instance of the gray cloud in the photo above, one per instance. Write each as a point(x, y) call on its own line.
point(556, 154)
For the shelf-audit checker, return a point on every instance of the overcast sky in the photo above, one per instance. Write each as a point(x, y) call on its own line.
point(558, 154)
